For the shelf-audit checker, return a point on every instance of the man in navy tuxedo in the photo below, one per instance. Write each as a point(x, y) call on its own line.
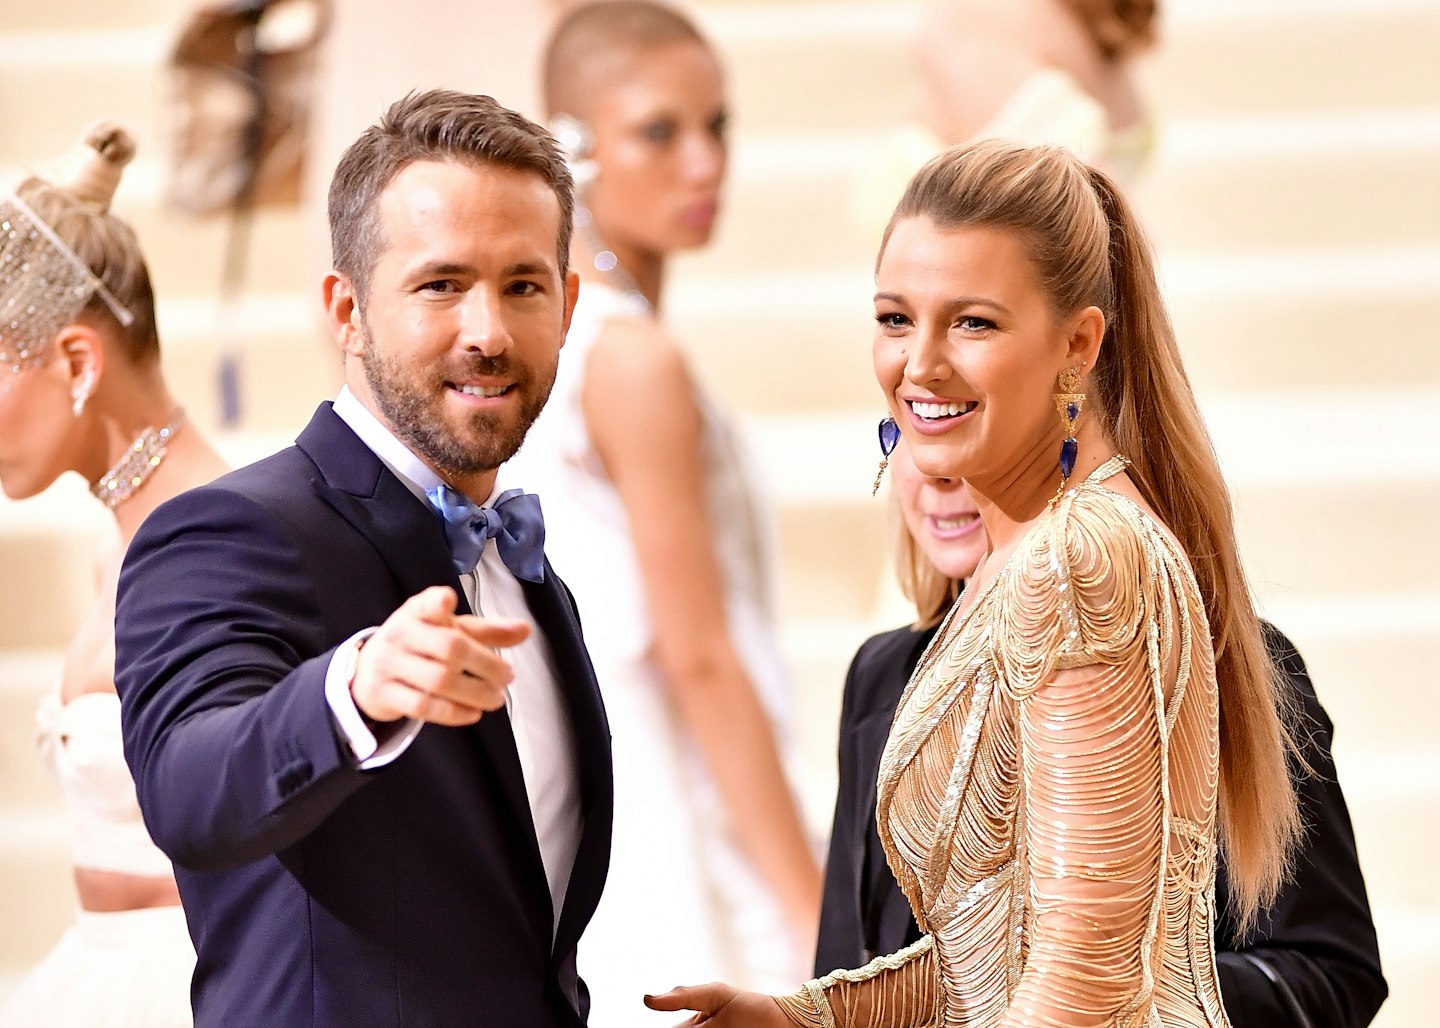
point(356, 701)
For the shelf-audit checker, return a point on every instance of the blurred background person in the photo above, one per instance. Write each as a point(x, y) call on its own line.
point(483, 46)
point(1031, 71)
point(1314, 961)
point(652, 521)
point(1039, 71)
point(81, 391)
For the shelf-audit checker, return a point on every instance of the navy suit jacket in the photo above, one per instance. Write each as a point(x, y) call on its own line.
point(1318, 938)
point(318, 894)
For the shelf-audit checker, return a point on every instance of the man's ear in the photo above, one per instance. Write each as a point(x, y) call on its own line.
point(572, 294)
point(342, 314)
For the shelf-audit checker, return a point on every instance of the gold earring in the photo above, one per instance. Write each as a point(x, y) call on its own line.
point(889, 438)
point(1069, 402)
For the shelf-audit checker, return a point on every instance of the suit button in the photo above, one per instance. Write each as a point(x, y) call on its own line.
point(292, 777)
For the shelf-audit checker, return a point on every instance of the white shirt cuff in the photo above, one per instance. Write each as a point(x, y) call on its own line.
point(368, 750)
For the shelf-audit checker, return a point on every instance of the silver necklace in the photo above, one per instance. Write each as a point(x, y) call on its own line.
point(139, 462)
point(608, 265)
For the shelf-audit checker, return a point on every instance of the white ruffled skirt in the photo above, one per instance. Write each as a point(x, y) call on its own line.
point(128, 969)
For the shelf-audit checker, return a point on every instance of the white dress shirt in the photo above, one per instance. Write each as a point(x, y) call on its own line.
point(538, 718)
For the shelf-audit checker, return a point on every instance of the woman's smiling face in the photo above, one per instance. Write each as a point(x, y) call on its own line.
point(941, 516)
point(967, 349)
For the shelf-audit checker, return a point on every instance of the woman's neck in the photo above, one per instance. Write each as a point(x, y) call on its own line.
point(634, 267)
point(1010, 501)
point(188, 459)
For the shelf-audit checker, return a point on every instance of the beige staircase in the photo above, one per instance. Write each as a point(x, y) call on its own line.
point(1295, 201)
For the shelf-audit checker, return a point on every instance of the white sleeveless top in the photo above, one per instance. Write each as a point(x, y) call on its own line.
point(80, 741)
point(587, 535)
point(1049, 106)
point(680, 893)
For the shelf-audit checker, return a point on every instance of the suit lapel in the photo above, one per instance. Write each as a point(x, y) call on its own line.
point(361, 489)
point(410, 540)
point(554, 611)
point(886, 912)
point(497, 740)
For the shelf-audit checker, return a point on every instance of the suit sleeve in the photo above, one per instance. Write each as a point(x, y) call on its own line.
point(221, 654)
point(1320, 961)
point(841, 942)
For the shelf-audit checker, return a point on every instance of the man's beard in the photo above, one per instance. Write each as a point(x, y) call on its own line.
point(414, 408)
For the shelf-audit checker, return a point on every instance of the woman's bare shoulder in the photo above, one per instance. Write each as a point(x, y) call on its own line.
point(636, 350)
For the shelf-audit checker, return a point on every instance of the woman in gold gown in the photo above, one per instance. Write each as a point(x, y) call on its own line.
point(1097, 716)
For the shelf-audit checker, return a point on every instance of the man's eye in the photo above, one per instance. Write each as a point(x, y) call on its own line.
point(524, 288)
point(440, 285)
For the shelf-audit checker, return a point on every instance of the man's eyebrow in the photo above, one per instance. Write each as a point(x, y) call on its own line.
point(527, 268)
point(444, 268)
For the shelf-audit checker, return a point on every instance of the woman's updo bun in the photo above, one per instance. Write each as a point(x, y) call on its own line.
point(91, 171)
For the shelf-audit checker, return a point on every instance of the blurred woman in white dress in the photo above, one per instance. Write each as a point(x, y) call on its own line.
point(81, 391)
point(652, 522)
point(1060, 72)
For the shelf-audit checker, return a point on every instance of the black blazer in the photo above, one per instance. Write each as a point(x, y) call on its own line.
point(1318, 939)
point(317, 894)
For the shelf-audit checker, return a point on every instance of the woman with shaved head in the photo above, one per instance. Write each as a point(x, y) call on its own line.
point(653, 525)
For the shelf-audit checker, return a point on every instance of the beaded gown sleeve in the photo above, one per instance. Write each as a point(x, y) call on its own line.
point(1047, 796)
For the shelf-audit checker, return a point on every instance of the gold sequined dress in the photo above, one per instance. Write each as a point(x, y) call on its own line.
point(1047, 796)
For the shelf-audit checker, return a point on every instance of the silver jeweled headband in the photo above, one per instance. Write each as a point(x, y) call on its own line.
point(43, 285)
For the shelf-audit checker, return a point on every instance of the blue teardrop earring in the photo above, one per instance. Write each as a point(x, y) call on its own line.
point(889, 439)
point(1069, 402)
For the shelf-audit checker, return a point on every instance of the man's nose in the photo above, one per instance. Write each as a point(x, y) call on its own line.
point(482, 325)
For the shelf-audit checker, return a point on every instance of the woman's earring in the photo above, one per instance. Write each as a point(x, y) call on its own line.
point(1069, 402)
point(577, 146)
point(81, 393)
point(889, 439)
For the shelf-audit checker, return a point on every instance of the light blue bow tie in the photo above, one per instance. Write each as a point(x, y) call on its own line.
point(515, 523)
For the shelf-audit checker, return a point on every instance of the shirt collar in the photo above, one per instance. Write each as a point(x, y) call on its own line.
point(402, 461)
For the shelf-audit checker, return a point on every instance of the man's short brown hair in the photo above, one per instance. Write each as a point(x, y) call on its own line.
point(436, 125)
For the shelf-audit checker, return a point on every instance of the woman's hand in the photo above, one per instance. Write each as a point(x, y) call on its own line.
point(722, 1006)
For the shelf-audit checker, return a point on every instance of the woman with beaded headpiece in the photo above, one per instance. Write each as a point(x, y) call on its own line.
point(1096, 717)
point(81, 391)
point(652, 522)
